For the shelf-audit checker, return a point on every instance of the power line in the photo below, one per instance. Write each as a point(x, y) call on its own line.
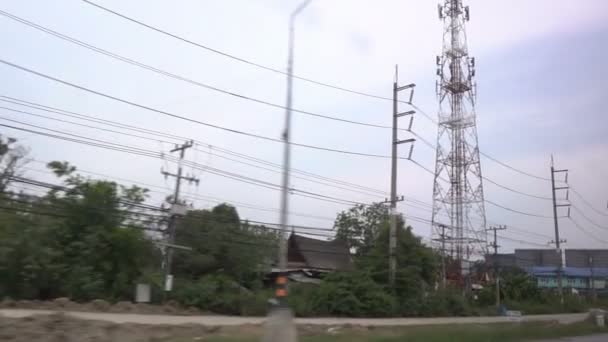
point(517, 211)
point(162, 112)
point(517, 191)
point(155, 155)
point(427, 221)
point(414, 218)
point(213, 154)
point(513, 168)
point(188, 195)
point(133, 62)
point(303, 193)
point(181, 78)
point(147, 153)
point(171, 136)
point(587, 202)
point(588, 219)
point(191, 213)
point(588, 233)
point(199, 45)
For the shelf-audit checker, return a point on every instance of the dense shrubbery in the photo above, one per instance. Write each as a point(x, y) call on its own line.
point(220, 294)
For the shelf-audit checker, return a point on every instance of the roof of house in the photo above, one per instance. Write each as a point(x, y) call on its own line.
point(319, 254)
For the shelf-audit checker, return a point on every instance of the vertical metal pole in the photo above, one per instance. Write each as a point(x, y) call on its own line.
point(496, 268)
point(392, 243)
point(282, 279)
point(593, 291)
point(443, 252)
point(557, 240)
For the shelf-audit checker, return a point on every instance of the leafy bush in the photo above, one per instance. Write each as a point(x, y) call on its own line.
point(300, 299)
point(445, 303)
point(221, 294)
point(352, 294)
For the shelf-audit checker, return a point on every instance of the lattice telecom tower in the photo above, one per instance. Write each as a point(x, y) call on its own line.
point(459, 218)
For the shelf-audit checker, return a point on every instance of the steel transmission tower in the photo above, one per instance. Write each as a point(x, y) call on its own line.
point(459, 218)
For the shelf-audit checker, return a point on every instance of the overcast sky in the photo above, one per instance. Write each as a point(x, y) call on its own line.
point(541, 72)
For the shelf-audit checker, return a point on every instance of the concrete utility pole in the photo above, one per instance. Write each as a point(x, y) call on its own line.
point(496, 272)
point(392, 263)
point(280, 326)
point(177, 209)
point(592, 280)
point(281, 290)
point(557, 240)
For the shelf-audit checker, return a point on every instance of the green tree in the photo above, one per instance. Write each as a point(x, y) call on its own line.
point(366, 229)
point(12, 157)
point(222, 243)
point(83, 240)
point(517, 285)
point(360, 225)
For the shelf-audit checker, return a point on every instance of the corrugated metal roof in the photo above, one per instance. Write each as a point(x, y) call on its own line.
point(327, 255)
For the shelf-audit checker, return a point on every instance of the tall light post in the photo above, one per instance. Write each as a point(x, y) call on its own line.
point(281, 290)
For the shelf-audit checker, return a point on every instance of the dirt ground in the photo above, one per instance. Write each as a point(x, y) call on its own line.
point(170, 308)
point(62, 328)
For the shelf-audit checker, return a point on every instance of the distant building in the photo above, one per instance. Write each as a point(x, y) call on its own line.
point(586, 258)
point(584, 269)
point(526, 258)
point(501, 260)
point(579, 278)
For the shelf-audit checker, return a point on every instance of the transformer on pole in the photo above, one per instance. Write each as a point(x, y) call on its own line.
point(458, 218)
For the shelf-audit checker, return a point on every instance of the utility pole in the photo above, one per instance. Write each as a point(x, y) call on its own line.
point(442, 237)
point(557, 240)
point(495, 229)
point(593, 291)
point(281, 281)
point(177, 209)
point(392, 263)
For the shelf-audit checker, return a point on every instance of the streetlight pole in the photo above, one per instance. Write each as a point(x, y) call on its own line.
point(280, 326)
point(281, 290)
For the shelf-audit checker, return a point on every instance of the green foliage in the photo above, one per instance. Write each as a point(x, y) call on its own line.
point(221, 294)
point(223, 244)
point(516, 285)
point(77, 243)
point(352, 294)
point(301, 297)
point(12, 157)
point(359, 226)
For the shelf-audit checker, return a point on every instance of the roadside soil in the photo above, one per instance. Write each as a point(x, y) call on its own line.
point(60, 327)
point(98, 305)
